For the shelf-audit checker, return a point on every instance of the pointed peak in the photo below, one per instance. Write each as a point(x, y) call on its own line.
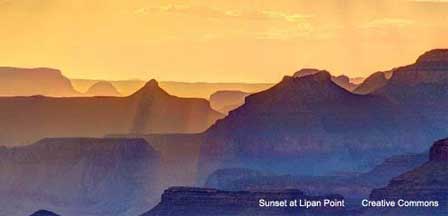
point(151, 87)
point(152, 84)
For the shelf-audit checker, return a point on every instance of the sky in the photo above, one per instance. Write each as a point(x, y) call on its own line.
point(218, 40)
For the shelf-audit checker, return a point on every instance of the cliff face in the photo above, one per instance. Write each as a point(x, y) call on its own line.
point(420, 83)
point(289, 127)
point(205, 202)
point(423, 89)
point(79, 176)
point(427, 182)
point(36, 81)
point(150, 110)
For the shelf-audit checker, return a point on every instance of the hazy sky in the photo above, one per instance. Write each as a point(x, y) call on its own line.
point(218, 40)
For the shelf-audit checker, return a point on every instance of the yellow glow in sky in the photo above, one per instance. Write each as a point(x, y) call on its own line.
point(218, 40)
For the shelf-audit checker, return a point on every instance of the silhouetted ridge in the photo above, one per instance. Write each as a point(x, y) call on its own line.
point(187, 112)
point(342, 80)
point(421, 88)
point(149, 110)
point(431, 67)
point(434, 56)
point(306, 83)
point(304, 90)
point(308, 119)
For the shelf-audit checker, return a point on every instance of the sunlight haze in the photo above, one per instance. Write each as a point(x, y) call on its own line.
point(217, 40)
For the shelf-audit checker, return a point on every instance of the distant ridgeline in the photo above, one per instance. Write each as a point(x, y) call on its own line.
point(345, 142)
point(307, 124)
point(25, 120)
point(36, 81)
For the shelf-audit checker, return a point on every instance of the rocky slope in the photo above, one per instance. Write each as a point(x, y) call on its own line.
point(79, 176)
point(299, 121)
point(36, 81)
point(149, 110)
point(205, 202)
point(102, 88)
point(225, 101)
point(429, 182)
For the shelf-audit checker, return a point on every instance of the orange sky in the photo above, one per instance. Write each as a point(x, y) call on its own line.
point(218, 40)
